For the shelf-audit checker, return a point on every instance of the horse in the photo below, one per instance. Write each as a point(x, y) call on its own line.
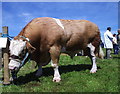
point(43, 40)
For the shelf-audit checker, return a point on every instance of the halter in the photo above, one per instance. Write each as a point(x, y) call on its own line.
point(18, 58)
point(25, 38)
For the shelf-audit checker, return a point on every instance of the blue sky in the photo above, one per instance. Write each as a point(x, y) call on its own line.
point(16, 15)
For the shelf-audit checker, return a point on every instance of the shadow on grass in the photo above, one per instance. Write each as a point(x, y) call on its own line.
point(116, 57)
point(49, 72)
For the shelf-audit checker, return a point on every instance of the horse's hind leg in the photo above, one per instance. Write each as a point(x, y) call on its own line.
point(92, 56)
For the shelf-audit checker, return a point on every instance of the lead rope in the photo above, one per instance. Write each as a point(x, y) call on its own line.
point(27, 54)
point(23, 61)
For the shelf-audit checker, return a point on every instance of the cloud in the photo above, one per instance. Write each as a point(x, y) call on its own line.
point(26, 16)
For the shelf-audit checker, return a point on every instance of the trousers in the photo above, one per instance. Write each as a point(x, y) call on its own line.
point(108, 53)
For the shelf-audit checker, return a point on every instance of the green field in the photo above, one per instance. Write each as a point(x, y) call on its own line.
point(75, 74)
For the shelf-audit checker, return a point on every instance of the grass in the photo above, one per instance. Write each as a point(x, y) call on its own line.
point(75, 76)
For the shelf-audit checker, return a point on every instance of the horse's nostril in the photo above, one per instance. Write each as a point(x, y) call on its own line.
point(11, 67)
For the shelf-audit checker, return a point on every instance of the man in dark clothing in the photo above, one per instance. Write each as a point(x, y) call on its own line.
point(118, 39)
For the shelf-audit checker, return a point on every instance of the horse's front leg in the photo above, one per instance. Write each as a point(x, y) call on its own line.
point(55, 53)
point(13, 76)
point(57, 77)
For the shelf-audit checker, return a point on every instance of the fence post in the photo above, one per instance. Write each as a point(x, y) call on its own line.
point(6, 69)
point(0, 34)
point(0, 67)
point(6, 57)
point(0, 58)
point(5, 31)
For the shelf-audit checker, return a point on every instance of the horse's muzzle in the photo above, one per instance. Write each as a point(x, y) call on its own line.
point(14, 65)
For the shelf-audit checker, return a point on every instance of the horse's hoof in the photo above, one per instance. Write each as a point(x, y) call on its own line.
point(93, 71)
point(56, 79)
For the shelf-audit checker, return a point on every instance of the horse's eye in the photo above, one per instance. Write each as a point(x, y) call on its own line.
point(22, 54)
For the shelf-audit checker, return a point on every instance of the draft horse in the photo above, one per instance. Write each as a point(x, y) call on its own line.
point(44, 39)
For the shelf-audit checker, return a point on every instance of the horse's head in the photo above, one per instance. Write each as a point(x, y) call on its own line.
point(19, 51)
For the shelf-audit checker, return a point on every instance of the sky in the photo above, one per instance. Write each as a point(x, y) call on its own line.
point(16, 15)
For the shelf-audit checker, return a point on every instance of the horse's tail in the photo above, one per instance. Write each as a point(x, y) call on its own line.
point(96, 42)
point(101, 53)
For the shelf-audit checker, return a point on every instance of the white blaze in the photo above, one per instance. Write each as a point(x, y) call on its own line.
point(16, 46)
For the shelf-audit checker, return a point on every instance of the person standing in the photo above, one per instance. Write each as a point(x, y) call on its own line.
point(108, 42)
point(115, 45)
point(118, 39)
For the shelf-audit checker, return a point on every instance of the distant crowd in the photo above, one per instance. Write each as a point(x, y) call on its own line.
point(111, 41)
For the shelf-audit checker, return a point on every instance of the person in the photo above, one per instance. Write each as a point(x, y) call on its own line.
point(118, 39)
point(108, 42)
point(115, 45)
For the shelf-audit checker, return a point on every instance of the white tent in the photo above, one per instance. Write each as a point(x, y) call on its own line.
point(3, 42)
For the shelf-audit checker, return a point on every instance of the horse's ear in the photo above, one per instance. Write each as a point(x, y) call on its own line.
point(15, 38)
point(30, 48)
